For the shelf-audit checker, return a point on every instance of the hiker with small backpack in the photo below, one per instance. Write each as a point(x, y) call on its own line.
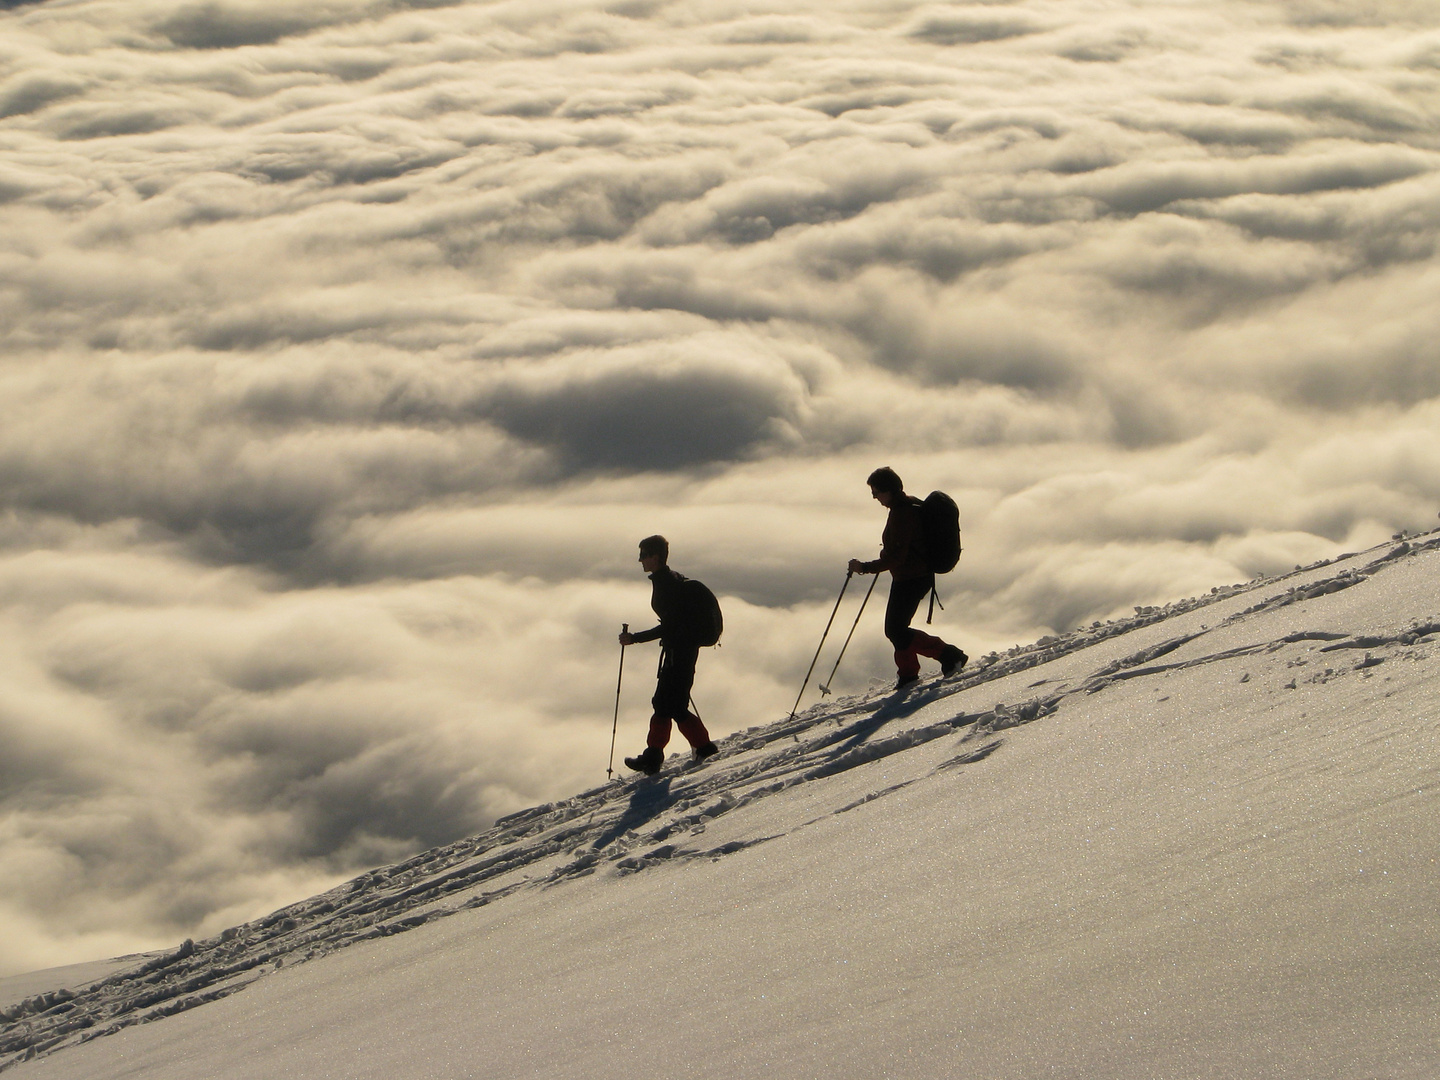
point(913, 555)
point(689, 619)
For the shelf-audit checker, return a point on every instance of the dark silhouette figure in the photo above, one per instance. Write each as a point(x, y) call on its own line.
point(679, 649)
point(902, 553)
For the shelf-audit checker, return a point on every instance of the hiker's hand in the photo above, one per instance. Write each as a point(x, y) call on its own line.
point(627, 639)
point(856, 566)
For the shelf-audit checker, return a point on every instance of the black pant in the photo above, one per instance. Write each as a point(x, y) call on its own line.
point(905, 597)
point(674, 680)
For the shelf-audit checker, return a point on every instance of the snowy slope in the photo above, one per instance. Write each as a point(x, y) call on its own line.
point(1204, 842)
point(16, 988)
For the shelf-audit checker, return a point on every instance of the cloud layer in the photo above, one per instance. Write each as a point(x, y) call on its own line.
point(348, 350)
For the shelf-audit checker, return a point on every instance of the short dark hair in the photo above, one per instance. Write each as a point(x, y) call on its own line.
point(885, 479)
point(656, 545)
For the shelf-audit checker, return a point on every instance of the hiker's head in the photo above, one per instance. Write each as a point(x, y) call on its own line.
point(885, 484)
point(656, 550)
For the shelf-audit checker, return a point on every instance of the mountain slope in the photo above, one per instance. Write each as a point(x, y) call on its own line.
point(1200, 842)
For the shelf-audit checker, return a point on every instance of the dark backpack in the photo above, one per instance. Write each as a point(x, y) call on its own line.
point(940, 532)
point(700, 612)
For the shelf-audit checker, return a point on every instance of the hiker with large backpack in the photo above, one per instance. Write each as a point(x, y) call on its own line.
point(917, 544)
point(689, 619)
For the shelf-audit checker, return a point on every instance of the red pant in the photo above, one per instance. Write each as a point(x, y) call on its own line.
point(907, 661)
point(689, 724)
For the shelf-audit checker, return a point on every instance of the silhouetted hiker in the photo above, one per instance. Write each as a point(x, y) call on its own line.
point(911, 579)
point(685, 625)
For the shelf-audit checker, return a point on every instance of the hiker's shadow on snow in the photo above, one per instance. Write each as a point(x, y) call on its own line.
point(892, 708)
point(648, 798)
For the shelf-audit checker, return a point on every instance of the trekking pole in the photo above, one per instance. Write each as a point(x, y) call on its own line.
point(848, 575)
point(610, 765)
point(825, 686)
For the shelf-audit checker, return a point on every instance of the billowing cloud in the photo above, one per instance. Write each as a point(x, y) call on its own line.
point(647, 413)
point(349, 347)
point(968, 24)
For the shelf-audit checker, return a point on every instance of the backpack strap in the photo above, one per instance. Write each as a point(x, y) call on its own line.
point(934, 599)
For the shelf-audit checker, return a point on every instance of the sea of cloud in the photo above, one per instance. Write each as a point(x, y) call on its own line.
point(347, 348)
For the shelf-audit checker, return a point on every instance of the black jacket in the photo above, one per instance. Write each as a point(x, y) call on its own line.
point(902, 544)
point(667, 600)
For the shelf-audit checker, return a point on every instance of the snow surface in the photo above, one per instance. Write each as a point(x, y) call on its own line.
point(1199, 843)
point(16, 988)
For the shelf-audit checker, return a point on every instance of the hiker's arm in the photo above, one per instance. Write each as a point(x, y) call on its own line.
point(895, 547)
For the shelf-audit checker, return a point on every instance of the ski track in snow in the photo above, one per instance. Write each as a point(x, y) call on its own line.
point(630, 825)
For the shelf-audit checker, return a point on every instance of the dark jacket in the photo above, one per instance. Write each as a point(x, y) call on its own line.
point(667, 599)
point(901, 550)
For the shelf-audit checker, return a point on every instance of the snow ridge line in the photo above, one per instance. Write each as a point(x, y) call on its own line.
point(557, 842)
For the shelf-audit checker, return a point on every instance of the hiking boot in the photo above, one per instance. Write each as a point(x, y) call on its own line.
point(906, 680)
point(705, 750)
point(952, 660)
point(648, 762)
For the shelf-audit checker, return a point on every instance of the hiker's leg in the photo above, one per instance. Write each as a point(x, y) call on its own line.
point(926, 645)
point(905, 597)
point(677, 676)
point(693, 728)
point(659, 735)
